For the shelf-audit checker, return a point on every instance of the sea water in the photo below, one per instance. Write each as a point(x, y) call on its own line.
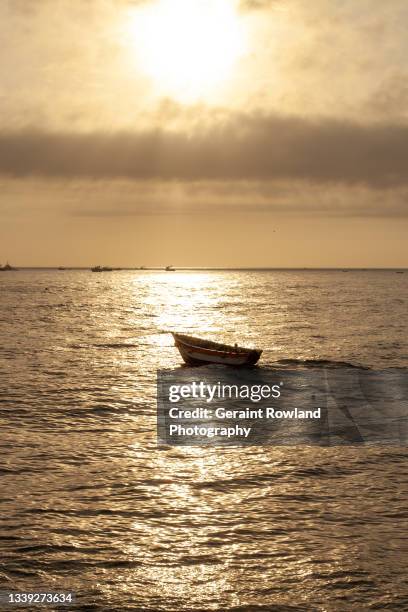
point(89, 502)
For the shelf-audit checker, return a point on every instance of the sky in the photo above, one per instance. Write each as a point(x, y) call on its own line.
point(204, 133)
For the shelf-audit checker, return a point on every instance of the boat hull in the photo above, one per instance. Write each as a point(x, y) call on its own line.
point(193, 354)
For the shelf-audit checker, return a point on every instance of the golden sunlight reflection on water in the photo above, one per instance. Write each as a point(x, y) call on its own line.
point(182, 301)
point(233, 530)
point(131, 525)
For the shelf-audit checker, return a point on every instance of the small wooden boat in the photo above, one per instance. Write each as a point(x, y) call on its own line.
point(196, 351)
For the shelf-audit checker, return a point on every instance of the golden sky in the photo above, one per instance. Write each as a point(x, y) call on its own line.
point(204, 132)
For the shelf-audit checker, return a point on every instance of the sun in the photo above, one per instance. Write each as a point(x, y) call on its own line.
point(187, 47)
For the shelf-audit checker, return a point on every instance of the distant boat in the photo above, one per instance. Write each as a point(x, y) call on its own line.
point(7, 268)
point(101, 269)
point(196, 351)
point(170, 269)
point(61, 268)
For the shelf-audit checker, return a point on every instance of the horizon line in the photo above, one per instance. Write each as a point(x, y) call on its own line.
point(211, 268)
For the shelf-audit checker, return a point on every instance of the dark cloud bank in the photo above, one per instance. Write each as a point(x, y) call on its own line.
point(243, 148)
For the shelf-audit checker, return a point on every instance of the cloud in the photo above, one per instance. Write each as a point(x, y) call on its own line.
point(391, 95)
point(291, 64)
point(85, 198)
point(258, 4)
point(245, 147)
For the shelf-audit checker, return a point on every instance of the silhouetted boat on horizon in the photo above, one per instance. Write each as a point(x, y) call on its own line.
point(7, 268)
point(170, 269)
point(196, 351)
point(101, 269)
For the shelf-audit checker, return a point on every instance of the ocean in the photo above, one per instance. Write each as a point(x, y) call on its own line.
point(91, 502)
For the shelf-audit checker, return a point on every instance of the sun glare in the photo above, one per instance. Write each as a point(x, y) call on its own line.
point(187, 47)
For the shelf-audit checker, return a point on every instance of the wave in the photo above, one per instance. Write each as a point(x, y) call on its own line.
point(108, 345)
point(319, 363)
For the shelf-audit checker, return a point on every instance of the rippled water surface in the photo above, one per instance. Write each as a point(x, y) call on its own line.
point(89, 502)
